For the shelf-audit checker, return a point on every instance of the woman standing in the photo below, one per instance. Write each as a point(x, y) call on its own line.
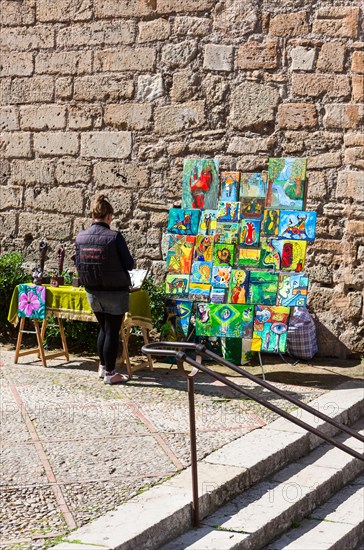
point(103, 260)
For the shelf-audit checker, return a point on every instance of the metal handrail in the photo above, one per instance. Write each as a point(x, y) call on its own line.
point(174, 349)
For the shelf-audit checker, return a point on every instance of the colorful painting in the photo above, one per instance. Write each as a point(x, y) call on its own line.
point(221, 276)
point(230, 186)
point(224, 254)
point(179, 315)
point(292, 290)
point(248, 257)
point(183, 222)
point(227, 232)
point(252, 207)
point(201, 272)
point(179, 253)
point(218, 295)
point(292, 254)
point(177, 285)
point(286, 183)
point(269, 255)
point(228, 211)
point(200, 183)
point(270, 223)
point(270, 329)
point(32, 301)
point(249, 232)
point(203, 248)
point(207, 222)
point(297, 225)
point(239, 285)
point(263, 288)
point(252, 185)
point(199, 292)
point(225, 320)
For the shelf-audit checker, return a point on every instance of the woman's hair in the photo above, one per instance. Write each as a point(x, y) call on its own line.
point(101, 207)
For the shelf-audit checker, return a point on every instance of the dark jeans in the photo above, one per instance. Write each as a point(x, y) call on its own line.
point(108, 339)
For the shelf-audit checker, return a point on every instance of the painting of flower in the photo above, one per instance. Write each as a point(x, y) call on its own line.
point(32, 301)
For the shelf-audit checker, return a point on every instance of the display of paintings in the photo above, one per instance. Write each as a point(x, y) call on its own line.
point(292, 254)
point(292, 290)
point(270, 223)
point(252, 207)
point(199, 292)
point(248, 257)
point(263, 288)
point(179, 315)
point(224, 254)
point(183, 222)
point(239, 285)
point(200, 183)
point(218, 295)
point(201, 272)
point(227, 232)
point(177, 285)
point(225, 320)
point(286, 183)
point(269, 255)
point(203, 248)
point(228, 211)
point(179, 253)
point(252, 185)
point(249, 233)
point(207, 222)
point(297, 225)
point(270, 329)
point(229, 186)
point(221, 276)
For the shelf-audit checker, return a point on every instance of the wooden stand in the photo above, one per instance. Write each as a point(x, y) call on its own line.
point(125, 334)
point(40, 333)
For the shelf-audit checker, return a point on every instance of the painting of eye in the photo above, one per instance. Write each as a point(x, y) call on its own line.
point(278, 328)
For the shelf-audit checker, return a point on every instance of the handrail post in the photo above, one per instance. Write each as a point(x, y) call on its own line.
point(191, 402)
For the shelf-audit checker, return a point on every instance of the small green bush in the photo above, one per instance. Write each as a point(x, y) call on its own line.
point(12, 273)
point(157, 297)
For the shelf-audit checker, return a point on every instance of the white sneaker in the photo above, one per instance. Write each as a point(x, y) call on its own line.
point(102, 371)
point(115, 379)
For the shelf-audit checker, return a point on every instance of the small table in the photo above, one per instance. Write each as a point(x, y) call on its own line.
point(68, 302)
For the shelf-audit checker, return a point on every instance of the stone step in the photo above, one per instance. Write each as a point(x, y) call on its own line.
point(164, 512)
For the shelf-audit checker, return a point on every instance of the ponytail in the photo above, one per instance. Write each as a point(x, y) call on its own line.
point(101, 207)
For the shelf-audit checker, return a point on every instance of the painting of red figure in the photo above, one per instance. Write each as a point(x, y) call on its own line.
point(200, 183)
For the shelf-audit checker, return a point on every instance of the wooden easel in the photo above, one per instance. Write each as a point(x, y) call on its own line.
point(144, 326)
point(40, 333)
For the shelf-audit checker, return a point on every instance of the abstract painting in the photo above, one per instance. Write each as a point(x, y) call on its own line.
point(224, 254)
point(239, 285)
point(252, 207)
point(262, 288)
point(297, 225)
point(177, 285)
point(179, 315)
point(207, 222)
point(292, 254)
point(200, 183)
point(179, 253)
point(218, 295)
point(269, 255)
point(199, 292)
point(270, 329)
point(225, 320)
point(228, 211)
point(249, 232)
point(292, 290)
point(229, 186)
point(227, 232)
point(203, 248)
point(201, 272)
point(248, 257)
point(286, 183)
point(252, 185)
point(183, 222)
point(221, 276)
point(270, 223)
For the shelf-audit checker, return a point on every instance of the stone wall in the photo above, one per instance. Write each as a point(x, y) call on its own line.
point(112, 95)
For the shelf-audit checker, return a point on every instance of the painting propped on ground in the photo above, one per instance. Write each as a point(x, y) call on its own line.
point(200, 183)
point(263, 288)
point(203, 248)
point(297, 225)
point(249, 233)
point(230, 186)
point(201, 272)
point(179, 313)
point(224, 254)
point(183, 222)
point(252, 185)
point(270, 329)
point(286, 183)
point(227, 232)
point(179, 254)
point(207, 222)
point(292, 290)
point(177, 285)
point(231, 321)
point(239, 285)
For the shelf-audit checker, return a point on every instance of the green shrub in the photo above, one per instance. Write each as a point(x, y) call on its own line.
point(157, 297)
point(12, 273)
point(80, 335)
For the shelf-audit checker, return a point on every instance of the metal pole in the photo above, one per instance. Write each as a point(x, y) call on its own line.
point(191, 402)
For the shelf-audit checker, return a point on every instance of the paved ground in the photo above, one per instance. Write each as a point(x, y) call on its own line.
point(73, 448)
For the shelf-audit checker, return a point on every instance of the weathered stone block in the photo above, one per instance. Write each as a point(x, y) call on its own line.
point(248, 146)
point(8, 224)
point(73, 170)
point(176, 118)
point(121, 175)
point(84, 117)
point(28, 172)
point(106, 144)
point(159, 219)
point(64, 10)
point(331, 57)
point(125, 59)
point(294, 116)
point(258, 55)
point(123, 8)
point(179, 55)
point(289, 24)
point(184, 86)
point(350, 184)
point(14, 13)
point(326, 160)
point(43, 117)
point(311, 142)
point(16, 64)
point(252, 105)
point(10, 196)
point(338, 21)
point(4, 171)
point(37, 89)
point(317, 185)
point(9, 118)
point(354, 228)
point(218, 58)
point(63, 88)
point(342, 115)
point(357, 62)
point(43, 225)
point(358, 88)
point(97, 33)
point(150, 87)
point(73, 62)
point(171, 6)
point(313, 85)
point(159, 29)
point(99, 88)
point(13, 145)
point(56, 143)
point(236, 17)
point(129, 116)
point(194, 26)
point(355, 157)
point(68, 200)
point(27, 38)
point(303, 58)
point(354, 140)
